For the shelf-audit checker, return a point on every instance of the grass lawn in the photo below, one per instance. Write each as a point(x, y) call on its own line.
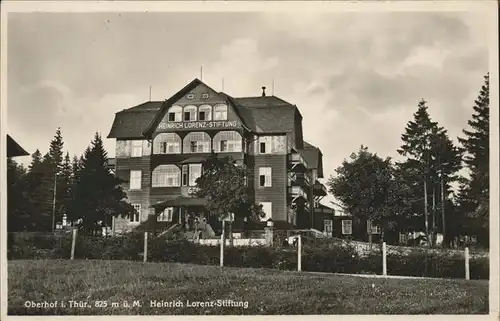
point(266, 291)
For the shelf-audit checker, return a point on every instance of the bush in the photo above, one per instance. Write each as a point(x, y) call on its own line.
point(318, 257)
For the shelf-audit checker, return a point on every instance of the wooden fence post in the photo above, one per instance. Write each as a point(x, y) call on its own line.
point(467, 271)
point(384, 259)
point(73, 243)
point(145, 246)
point(299, 254)
point(222, 245)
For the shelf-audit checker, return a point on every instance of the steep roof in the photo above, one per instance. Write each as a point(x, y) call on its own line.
point(168, 103)
point(14, 149)
point(131, 122)
point(313, 157)
point(266, 114)
point(262, 114)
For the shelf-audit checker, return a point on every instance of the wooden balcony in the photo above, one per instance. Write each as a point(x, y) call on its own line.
point(296, 161)
point(296, 192)
point(319, 189)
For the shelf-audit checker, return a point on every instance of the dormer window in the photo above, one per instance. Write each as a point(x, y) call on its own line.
point(190, 113)
point(205, 113)
point(175, 114)
point(190, 96)
point(220, 112)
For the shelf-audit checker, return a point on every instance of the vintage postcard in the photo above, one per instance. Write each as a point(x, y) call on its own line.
point(326, 159)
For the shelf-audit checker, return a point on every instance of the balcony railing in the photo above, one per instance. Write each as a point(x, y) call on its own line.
point(297, 191)
point(319, 189)
point(299, 179)
point(296, 159)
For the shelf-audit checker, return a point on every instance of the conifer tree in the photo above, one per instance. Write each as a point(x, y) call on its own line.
point(431, 156)
point(97, 195)
point(18, 218)
point(474, 196)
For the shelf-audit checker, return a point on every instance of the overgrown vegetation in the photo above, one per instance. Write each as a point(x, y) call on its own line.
point(322, 257)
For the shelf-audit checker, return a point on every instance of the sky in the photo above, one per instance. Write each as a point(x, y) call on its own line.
point(355, 76)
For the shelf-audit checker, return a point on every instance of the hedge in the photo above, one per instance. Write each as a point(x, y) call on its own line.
point(321, 257)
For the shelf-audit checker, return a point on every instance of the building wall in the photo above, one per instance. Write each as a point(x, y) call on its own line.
point(125, 164)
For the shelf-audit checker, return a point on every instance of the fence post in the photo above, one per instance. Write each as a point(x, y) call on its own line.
point(222, 245)
point(299, 254)
point(73, 243)
point(145, 246)
point(384, 259)
point(467, 271)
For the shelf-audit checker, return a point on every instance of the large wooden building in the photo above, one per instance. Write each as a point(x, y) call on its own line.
point(160, 146)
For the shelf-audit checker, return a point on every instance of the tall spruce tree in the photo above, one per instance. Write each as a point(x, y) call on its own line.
point(474, 195)
point(431, 156)
point(97, 195)
point(59, 188)
point(416, 146)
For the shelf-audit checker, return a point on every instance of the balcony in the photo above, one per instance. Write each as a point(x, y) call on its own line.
point(299, 179)
point(319, 189)
point(295, 161)
point(296, 192)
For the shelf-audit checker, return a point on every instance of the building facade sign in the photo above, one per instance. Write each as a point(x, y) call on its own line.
point(198, 125)
point(189, 191)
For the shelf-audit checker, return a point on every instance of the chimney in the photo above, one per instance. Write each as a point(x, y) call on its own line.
point(263, 91)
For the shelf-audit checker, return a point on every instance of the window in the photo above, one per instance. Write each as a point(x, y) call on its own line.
point(135, 179)
point(204, 96)
point(228, 141)
point(197, 142)
point(375, 228)
point(220, 112)
point(167, 143)
point(136, 148)
point(264, 145)
point(122, 148)
point(175, 114)
point(267, 208)
point(265, 177)
point(166, 215)
point(205, 112)
point(185, 170)
point(403, 238)
point(190, 96)
point(347, 227)
point(328, 226)
point(223, 145)
point(166, 176)
point(135, 218)
point(190, 113)
point(192, 147)
point(194, 173)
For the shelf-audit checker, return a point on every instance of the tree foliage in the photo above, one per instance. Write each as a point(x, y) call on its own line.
point(97, 195)
point(366, 186)
point(474, 191)
point(223, 184)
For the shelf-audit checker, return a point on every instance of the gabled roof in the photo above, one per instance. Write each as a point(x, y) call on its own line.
point(263, 114)
point(130, 123)
point(168, 103)
point(14, 149)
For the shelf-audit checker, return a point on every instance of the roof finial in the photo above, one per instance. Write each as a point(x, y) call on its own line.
point(263, 91)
